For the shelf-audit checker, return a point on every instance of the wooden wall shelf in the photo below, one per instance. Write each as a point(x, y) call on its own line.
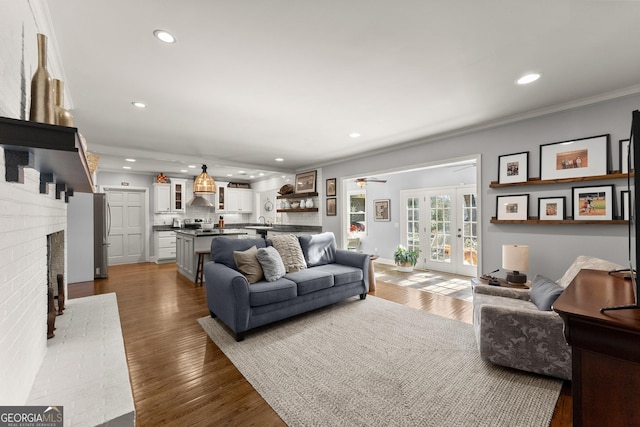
point(296, 196)
point(538, 181)
point(535, 220)
point(297, 210)
point(54, 151)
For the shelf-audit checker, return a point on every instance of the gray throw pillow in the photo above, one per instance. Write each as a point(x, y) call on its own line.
point(544, 292)
point(272, 265)
point(318, 249)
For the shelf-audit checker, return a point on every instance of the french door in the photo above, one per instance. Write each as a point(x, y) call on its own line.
point(441, 224)
point(127, 235)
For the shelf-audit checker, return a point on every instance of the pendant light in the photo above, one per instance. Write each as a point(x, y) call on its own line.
point(203, 183)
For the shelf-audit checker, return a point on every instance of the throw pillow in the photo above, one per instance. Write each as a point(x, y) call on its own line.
point(248, 264)
point(544, 292)
point(289, 249)
point(318, 249)
point(271, 263)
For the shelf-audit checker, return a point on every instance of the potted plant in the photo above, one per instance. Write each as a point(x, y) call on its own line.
point(405, 259)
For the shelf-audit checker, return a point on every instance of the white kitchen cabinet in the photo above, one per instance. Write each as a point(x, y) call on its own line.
point(178, 195)
point(238, 200)
point(185, 254)
point(162, 198)
point(165, 244)
point(220, 197)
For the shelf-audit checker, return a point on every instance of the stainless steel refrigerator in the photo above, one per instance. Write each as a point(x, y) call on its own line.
point(101, 229)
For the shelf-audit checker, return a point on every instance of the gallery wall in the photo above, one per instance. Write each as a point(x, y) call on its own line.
point(552, 247)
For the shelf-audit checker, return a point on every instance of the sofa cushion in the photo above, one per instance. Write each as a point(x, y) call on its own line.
point(271, 263)
point(318, 249)
point(342, 274)
point(311, 280)
point(544, 292)
point(248, 264)
point(586, 262)
point(263, 293)
point(222, 249)
point(289, 249)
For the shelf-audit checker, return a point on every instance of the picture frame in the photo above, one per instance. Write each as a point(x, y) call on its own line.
point(330, 188)
point(624, 155)
point(625, 208)
point(593, 203)
point(381, 210)
point(575, 158)
point(512, 207)
point(331, 207)
point(513, 168)
point(552, 208)
point(305, 182)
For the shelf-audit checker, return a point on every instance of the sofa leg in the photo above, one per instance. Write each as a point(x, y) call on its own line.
point(213, 316)
point(239, 336)
point(363, 296)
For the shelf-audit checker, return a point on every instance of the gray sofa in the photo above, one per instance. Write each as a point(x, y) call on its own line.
point(331, 275)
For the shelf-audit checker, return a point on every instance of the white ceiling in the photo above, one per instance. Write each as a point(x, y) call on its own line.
point(249, 81)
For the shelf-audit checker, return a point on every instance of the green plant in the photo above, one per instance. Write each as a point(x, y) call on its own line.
point(403, 255)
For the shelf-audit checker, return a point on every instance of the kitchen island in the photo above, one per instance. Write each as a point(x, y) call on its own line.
point(189, 242)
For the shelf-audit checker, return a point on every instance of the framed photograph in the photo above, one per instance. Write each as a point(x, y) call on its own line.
point(306, 182)
point(513, 168)
point(575, 159)
point(515, 207)
point(331, 187)
point(624, 202)
point(624, 155)
point(331, 206)
point(552, 208)
point(381, 210)
point(593, 203)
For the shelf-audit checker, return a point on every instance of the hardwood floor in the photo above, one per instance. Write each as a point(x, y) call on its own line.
point(180, 377)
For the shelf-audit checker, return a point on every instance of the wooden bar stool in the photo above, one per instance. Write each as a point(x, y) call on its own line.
point(200, 266)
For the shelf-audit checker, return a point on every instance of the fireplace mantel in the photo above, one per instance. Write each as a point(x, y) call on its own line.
point(54, 151)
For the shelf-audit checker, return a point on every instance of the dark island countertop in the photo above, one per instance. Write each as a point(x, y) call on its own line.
point(209, 233)
point(237, 227)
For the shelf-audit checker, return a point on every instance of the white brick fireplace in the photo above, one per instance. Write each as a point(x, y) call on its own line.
point(26, 218)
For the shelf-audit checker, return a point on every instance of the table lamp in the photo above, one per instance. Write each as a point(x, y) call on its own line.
point(515, 258)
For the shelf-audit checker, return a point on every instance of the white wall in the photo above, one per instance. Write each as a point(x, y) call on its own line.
point(552, 247)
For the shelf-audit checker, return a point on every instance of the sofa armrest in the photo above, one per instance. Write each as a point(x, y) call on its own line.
point(529, 340)
point(500, 291)
point(227, 295)
point(355, 259)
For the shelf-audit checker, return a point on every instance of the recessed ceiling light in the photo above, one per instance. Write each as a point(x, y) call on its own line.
point(164, 36)
point(251, 176)
point(261, 174)
point(241, 172)
point(528, 78)
point(183, 170)
point(192, 166)
point(354, 135)
point(279, 159)
point(229, 174)
point(126, 167)
point(138, 104)
point(130, 160)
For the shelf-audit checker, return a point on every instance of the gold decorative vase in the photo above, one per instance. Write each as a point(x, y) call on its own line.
point(41, 88)
point(62, 115)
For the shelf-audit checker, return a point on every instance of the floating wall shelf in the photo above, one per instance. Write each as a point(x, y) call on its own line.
point(538, 181)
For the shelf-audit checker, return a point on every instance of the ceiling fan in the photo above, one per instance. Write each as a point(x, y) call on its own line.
point(362, 182)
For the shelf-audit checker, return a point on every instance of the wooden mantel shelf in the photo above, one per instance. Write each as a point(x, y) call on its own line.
point(54, 151)
point(569, 220)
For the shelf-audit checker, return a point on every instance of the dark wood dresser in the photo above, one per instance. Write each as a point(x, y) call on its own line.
point(606, 349)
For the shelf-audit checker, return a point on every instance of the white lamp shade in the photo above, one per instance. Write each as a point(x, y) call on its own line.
point(515, 257)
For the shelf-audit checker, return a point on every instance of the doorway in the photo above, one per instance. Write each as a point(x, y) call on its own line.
point(127, 236)
point(441, 224)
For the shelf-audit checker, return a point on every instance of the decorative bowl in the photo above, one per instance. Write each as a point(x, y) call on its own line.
point(295, 204)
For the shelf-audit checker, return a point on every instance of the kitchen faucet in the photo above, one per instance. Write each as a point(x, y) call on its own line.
point(264, 220)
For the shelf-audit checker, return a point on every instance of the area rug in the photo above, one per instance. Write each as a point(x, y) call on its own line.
point(379, 363)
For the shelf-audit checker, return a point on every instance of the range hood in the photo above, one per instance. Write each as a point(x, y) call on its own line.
point(200, 201)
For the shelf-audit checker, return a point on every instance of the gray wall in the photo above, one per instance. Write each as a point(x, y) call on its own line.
point(552, 247)
point(80, 238)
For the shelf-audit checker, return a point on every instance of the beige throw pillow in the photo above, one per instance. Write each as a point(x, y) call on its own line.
point(289, 249)
point(248, 264)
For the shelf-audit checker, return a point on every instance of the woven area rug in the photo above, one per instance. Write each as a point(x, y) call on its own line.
point(378, 363)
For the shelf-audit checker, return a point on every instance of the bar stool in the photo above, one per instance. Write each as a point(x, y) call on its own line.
point(200, 266)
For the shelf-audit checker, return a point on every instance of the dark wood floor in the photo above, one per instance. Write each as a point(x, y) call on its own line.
point(180, 377)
